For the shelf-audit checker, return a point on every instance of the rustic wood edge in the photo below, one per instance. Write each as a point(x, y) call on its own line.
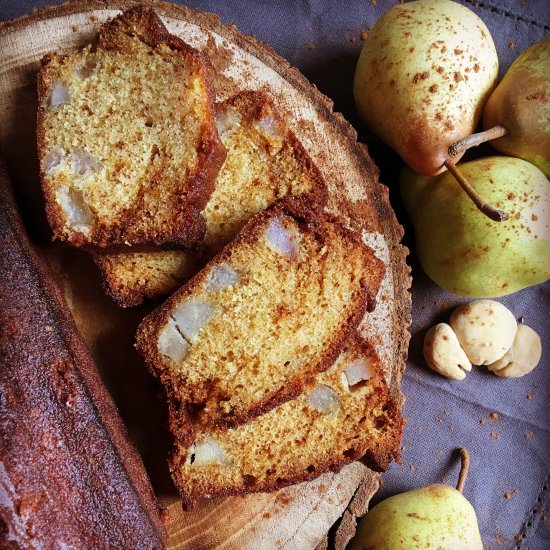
point(393, 231)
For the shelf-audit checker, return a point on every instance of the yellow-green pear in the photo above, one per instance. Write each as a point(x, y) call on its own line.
point(521, 104)
point(435, 516)
point(467, 253)
point(424, 73)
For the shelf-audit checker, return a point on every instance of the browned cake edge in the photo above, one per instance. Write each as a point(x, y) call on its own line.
point(252, 104)
point(363, 299)
point(188, 225)
point(51, 385)
point(378, 459)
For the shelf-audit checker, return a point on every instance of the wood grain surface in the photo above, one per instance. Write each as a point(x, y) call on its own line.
point(297, 517)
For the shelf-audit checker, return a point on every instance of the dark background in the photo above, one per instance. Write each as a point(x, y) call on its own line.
point(510, 455)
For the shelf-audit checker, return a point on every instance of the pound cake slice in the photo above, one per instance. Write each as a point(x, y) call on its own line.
point(127, 139)
point(265, 161)
point(270, 311)
point(344, 415)
point(130, 277)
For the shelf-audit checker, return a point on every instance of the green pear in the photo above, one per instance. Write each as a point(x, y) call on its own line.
point(465, 252)
point(436, 516)
point(521, 104)
point(424, 73)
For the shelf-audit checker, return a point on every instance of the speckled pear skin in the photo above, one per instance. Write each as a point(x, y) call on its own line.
point(435, 516)
point(465, 252)
point(521, 103)
point(424, 73)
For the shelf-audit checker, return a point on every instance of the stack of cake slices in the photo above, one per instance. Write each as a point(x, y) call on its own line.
point(219, 207)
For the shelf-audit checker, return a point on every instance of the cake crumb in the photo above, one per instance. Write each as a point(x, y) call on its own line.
point(494, 435)
point(482, 421)
point(363, 35)
point(511, 45)
point(373, 2)
point(529, 435)
point(494, 416)
point(530, 396)
point(311, 46)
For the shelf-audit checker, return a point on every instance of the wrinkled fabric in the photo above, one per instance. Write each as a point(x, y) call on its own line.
point(504, 423)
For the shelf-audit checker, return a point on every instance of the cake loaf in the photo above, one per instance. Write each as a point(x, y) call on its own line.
point(274, 308)
point(69, 476)
point(127, 139)
point(265, 161)
point(344, 415)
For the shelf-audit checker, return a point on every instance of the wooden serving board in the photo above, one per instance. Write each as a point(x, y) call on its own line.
point(296, 517)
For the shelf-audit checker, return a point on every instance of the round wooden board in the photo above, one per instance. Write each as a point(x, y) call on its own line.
point(296, 517)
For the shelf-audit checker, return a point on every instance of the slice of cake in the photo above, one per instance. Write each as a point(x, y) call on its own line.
point(129, 277)
point(265, 161)
point(270, 311)
point(344, 415)
point(127, 140)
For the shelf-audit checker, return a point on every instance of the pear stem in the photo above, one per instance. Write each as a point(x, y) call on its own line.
point(464, 467)
point(474, 140)
point(487, 209)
